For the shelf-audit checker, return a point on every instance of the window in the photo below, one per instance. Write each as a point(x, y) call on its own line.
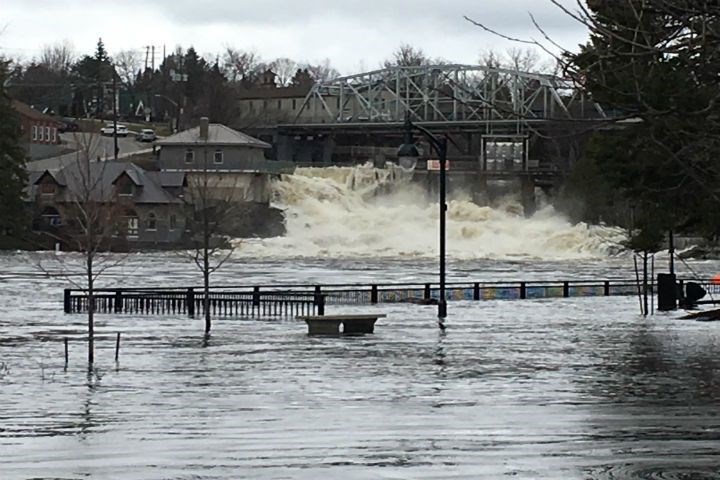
point(279, 104)
point(218, 156)
point(294, 104)
point(173, 222)
point(41, 136)
point(34, 132)
point(125, 187)
point(189, 156)
point(50, 216)
point(54, 130)
point(48, 188)
point(47, 134)
point(131, 223)
point(151, 222)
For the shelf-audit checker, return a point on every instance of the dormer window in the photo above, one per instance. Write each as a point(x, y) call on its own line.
point(189, 156)
point(126, 188)
point(48, 188)
point(218, 157)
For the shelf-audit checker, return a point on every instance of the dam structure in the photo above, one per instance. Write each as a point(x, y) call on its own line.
point(504, 126)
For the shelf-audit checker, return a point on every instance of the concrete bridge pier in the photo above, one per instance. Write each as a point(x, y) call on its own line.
point(527, 192)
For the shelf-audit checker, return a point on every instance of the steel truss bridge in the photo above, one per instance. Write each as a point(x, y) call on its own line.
point(446, 96)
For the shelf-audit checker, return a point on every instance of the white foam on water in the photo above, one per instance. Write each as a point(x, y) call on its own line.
point(362, 211)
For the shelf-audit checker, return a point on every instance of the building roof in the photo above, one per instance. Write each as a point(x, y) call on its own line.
point(101, 176)
point(218, 135)
point(26, 110)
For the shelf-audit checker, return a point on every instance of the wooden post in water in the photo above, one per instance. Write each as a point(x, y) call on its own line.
point(427, 292)
point(117, 303)
point(566, 289)
point(607, 288)
point(66, 300)
point(523, 291)
point(373, 294)
point(117, 347)
point(66, 351)
point(190, 300)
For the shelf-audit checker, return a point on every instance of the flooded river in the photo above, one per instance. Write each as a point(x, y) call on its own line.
point(580, 388)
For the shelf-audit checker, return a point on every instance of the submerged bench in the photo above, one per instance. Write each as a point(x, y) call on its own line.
point(330, 324)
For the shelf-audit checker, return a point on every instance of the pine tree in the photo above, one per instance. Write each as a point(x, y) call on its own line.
point(13, 176)
point(657, 63)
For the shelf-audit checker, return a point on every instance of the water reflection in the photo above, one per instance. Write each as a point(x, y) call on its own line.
point(657, 393)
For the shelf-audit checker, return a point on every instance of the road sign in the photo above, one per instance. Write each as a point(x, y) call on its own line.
point(435, 164)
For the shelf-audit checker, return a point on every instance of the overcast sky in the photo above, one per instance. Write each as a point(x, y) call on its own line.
point(355, 35)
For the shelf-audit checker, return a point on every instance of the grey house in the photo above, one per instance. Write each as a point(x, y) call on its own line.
point(148, 206)
point(213, 147)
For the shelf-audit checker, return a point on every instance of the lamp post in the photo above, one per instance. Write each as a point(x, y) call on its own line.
point(407, 158)
point(177, 110)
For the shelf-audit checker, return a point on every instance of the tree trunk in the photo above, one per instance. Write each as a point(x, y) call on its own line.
point(206, 285)
point(91, 311)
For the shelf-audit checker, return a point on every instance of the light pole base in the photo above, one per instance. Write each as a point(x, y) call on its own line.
point(442, 309)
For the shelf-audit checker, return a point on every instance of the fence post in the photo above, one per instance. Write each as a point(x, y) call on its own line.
point(476, 291)
point(190, 301)
point(566, 289)
point(117, 303)
point(320, 304)
point(373, 294)
point(66, 301)
point(427, 291)
point(523, 291)
point(607, 288)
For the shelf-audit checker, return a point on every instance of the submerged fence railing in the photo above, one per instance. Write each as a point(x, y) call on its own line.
point(303, 299)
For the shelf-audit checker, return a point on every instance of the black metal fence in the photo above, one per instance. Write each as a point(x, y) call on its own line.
point(296, 299)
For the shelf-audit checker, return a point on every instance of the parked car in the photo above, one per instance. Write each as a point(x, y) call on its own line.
point(108, 129)
point(68, 125)
point(146, 135)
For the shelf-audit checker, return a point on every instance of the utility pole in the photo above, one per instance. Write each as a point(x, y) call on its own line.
point(115, 138)
point(153, 57)
point(147, 55)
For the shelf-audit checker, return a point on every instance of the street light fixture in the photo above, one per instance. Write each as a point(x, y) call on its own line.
point(407, 156)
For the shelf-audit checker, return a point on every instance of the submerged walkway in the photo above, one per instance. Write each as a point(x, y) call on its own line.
point(295, 299)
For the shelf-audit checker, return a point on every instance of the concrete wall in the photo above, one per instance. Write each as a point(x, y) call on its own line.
point(233, 158)
point(230, 186)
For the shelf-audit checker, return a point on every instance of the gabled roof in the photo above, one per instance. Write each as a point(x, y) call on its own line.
point(56, 176)
point(102, 176)
point(27, 111)
point(218, 135)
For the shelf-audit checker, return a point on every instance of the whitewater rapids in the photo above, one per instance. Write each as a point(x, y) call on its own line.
point(357, 212)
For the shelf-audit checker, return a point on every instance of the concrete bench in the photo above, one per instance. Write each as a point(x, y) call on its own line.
point(330, 324)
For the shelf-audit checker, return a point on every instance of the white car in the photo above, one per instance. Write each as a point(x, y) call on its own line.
point(108, 129)
point(146, 135)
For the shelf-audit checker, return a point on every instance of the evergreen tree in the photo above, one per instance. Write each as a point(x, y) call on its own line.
point(656, 63)
point(13, 176)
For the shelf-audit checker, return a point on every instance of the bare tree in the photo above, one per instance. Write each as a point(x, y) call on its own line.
point(323, 71)
point(284, 69)
point(407, 56)
point(58, 57)
point(127, 64)
point(241, 65)
point(92, 220)
point(214, 203)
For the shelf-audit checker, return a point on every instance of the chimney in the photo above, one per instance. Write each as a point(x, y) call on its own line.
point(204, 128)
